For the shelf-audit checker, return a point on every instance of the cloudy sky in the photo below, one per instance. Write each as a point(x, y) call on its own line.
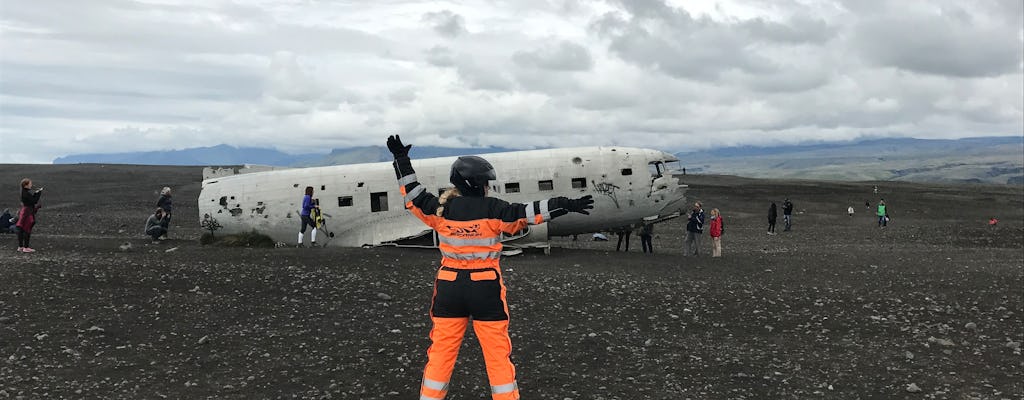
point(310, 75)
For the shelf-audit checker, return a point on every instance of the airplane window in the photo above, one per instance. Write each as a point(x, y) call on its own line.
point(655, 168)
point(546, 185)
point(627, 171)
point(672, 166)
point(224, 201)
point(378, 201)
point(345, 201)
point(512, 187)
point(579, 183)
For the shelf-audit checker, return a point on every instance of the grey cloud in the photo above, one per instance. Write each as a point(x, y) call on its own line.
point(947, 45)
point(446, 23)
point(289, 81)
point(440, 56)
point(563, 56)
point(128, 27)
point(404, 95)
point(797, 30)
point(477, 76)
point(679, 45)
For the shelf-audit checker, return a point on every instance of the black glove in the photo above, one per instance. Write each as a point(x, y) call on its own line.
point(581, 205)
point(397, 148)
point(562, 205)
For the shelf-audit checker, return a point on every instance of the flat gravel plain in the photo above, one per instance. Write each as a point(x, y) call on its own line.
point(928, 308)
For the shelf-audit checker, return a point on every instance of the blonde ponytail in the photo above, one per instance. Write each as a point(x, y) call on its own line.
point(448, 194)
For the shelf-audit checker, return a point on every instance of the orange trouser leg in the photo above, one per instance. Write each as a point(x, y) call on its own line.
point(494, 341)
point(446, 338)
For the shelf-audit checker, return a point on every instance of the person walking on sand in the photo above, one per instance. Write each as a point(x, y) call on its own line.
point(469, 285)
point(773, 215)
point(883, 216)
point(849, 210)
point(694, 228)
point(646, 234)
point(308, 204)
point(164, 203)
point(717, 228)
point(27, 215)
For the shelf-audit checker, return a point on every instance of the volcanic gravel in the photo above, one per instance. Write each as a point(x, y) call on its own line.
point(929, 307)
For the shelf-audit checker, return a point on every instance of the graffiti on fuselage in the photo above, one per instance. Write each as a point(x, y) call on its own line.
point(607, 189)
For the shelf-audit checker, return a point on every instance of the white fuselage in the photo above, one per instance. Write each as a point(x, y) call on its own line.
point(362, 205)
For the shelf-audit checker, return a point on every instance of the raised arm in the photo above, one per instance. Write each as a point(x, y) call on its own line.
point(419, 201)
point(516, 216)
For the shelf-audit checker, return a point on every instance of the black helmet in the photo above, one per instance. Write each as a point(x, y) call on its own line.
point(470, 175)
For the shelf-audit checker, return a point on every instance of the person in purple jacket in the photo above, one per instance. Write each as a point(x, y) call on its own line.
point(307, 206)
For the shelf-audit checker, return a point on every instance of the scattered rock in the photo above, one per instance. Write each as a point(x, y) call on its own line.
point(95, 328)
point(383, 296)
point(1013, 345)
point(908, 355)
point(204, 340)
point(941, 342)
point(127, 246)
point(171, 250)
point(971, 326)
point(5, 320)
point(913, 388)
point(42, 336)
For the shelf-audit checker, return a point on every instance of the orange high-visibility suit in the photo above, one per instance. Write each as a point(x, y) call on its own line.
point(469, 284)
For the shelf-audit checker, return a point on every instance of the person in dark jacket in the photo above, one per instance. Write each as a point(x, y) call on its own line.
point(156, 225)
point(27, 216)
point(623, 236)
point(694, 229)
point(646, 234)
point(773, 215)
point(787, 214)
point(164, 202)
point(6, 221)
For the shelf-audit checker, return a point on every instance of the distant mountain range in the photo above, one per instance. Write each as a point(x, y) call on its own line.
point(989, 160)
point(230, 155)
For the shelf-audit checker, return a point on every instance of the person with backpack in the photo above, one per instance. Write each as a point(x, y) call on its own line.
point(717, 228)
point(694, 228)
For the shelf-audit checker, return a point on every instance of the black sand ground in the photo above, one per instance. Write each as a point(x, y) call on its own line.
point(836, 308)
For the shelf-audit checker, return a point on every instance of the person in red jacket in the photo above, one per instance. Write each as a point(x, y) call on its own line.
point(468, 285)
point(716, 233)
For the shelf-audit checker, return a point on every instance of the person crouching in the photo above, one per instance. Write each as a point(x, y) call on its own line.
point(156, 225)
